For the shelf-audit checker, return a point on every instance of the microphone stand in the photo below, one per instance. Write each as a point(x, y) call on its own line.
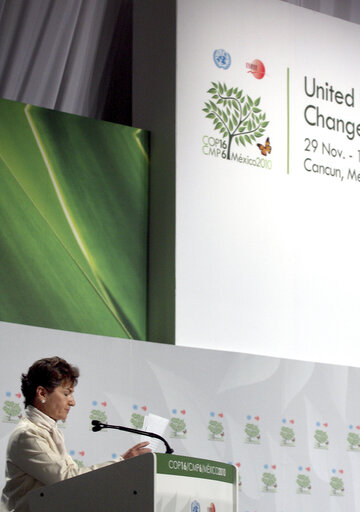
point(97, 426)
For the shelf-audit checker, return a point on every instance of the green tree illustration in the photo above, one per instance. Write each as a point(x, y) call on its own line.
point(137, 420)
point(215, 427)
point(98, 415)
point(177, 425)
point(235, 115)
point(303, 482)
point(251, 430)
point(11, 409)
point(337, 484)
point(321, 437)
point(353, 440)
point(269, 480)
point(287, 434)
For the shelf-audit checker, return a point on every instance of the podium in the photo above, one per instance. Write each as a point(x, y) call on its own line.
point(147, 483)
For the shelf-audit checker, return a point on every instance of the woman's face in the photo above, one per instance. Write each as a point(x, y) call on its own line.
point(58, 402)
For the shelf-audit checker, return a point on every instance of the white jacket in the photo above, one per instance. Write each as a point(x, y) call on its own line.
point(36, 457)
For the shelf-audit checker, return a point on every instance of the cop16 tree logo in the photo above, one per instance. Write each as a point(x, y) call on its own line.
point(12, 408)
point(238, 118)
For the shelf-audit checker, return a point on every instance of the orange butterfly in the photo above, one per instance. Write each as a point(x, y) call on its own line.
point(265, 149)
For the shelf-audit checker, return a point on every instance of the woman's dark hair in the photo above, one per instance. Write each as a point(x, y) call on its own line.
point(49, 373)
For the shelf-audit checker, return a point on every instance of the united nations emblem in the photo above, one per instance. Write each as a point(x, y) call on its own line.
point(222, 59)
point(195, 506)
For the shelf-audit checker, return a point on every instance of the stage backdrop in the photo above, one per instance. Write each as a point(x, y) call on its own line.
point(292, 428)
point(73, 236)
point(267, 178)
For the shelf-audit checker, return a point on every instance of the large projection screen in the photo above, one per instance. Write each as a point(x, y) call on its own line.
point(268, 180)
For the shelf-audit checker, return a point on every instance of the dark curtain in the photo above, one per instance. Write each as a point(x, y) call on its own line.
point(69, 55)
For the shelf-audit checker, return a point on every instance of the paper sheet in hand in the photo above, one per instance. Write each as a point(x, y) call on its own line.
point(156, 424)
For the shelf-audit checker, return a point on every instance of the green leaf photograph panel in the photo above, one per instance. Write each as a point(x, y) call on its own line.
point(74, 244)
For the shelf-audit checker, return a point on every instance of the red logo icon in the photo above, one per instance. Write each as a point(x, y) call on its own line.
point(257, 68)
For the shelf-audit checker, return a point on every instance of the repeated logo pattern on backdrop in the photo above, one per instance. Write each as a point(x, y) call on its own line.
point(278, 421)
point(252, 430)
point(177, 424)
point(216, 427)
point(321, 436)
point(303, 480)
point(138, 416)
point(13, 411)
point(12, 407)
point(287, 433)
point(98, 412)
point(269, 478)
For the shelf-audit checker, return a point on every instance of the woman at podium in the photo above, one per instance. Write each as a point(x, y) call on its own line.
point(36, 453)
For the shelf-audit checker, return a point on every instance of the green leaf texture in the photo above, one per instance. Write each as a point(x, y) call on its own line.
point(74, 218)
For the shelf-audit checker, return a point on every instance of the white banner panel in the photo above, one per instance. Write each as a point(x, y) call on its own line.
point(268, 180)
point(292, 428)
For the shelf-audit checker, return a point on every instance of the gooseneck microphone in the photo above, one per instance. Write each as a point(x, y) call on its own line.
point(97, 425)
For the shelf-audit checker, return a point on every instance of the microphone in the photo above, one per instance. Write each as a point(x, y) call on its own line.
point(97, 426)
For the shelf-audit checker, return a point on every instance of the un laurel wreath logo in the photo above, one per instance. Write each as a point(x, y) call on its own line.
point(195, 506)
point(222, 59)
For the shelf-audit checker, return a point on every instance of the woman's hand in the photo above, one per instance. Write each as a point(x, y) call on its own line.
point(138, 449)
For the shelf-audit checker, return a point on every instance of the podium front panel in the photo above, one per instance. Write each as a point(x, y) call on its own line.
point(126, 486)
point(191, 484)
point(148, 483)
